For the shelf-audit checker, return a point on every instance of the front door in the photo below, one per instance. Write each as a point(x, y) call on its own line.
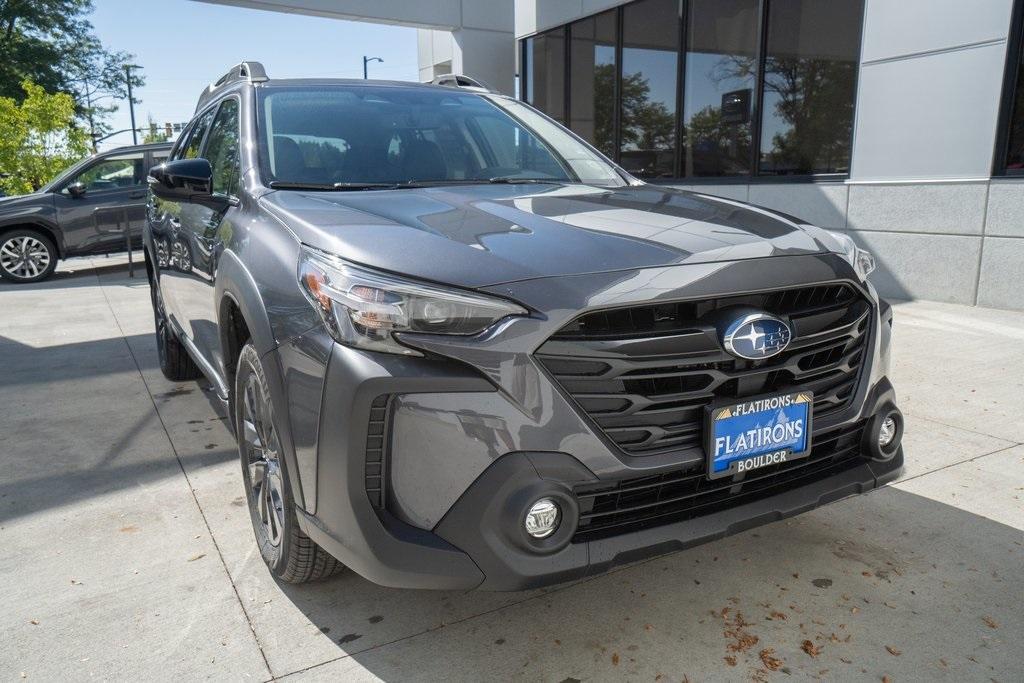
point(202, 234)
point(114, 201)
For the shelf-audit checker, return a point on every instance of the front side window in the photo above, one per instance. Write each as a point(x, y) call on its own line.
point(810, 82)
point(190, 150)
point(113, 173)
point(361, 135)
point(222, 150)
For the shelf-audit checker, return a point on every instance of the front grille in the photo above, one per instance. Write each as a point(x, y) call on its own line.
point(641, 502)
point(376, 431)
point(645, 374)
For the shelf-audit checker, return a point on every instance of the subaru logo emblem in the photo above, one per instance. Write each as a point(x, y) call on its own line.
point(756, 336)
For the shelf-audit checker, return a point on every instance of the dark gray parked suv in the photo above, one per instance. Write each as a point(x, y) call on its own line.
point(82, 211)
point(462, 349)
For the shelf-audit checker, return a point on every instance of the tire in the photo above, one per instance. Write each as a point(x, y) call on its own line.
point(175, 363)
point(291, 555)
point(26, 256)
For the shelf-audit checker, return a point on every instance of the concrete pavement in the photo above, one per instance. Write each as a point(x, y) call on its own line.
point(129, 555)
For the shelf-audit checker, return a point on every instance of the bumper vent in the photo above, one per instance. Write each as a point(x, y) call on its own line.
point(644, 374)
point(634, 504)
point(376, 431)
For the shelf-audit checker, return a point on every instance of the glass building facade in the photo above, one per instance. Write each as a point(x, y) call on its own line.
point(706, 88)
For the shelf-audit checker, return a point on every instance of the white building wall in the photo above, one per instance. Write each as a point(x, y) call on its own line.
point(930, 84)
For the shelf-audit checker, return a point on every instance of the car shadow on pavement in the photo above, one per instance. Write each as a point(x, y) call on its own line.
point(109, 437)
point(889, 584)
point(80, 275)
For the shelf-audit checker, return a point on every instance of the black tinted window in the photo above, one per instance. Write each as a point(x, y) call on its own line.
point(592, 93)
point(721, 66)
point(650, 62)
point(544, 70)
point(810, 80)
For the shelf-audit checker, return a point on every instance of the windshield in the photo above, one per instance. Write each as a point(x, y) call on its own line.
point(362, 137)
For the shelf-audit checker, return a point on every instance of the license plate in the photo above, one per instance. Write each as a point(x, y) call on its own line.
point(758, 432)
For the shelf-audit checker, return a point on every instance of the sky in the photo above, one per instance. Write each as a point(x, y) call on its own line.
point(184, 45)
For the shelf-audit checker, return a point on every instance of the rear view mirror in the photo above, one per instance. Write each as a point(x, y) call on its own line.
point(76, 189)
point(184, 180)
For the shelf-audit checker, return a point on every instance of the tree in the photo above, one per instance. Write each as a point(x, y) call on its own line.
point(50, 43)
point(154, 133)
point(95, 75)
point(40, 138)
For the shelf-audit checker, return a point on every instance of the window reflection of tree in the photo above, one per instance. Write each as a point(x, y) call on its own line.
point(811, 101)
point(717, 146)
point(646, 124)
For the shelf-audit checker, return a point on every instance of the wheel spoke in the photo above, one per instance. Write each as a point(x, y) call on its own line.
point(257, 474)
point(249, 433)
point(261, 498)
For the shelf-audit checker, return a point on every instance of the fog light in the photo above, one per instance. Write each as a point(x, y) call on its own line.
point(542, 519)
point(887, 432)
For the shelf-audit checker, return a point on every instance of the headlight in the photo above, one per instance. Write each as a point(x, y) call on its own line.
point(862, 261)
point(364, 308)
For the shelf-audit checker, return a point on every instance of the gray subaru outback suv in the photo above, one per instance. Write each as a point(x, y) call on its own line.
point(461, 349)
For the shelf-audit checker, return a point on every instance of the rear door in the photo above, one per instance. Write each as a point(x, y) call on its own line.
point(114, 201)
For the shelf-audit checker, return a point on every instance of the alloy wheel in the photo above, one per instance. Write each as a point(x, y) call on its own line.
point(24, 256)
point(262, 448)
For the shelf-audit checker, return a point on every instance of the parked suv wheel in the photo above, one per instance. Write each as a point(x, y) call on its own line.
point(26, 256)
point(290, 554)
point(175, 362)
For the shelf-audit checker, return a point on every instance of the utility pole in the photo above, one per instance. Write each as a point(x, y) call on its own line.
point(367, 60)
point(131, 101)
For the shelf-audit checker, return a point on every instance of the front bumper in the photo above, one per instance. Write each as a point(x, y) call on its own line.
point(475, 431)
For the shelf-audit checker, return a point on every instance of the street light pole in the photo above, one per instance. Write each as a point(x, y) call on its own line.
point(367, 60)
point(131, 101)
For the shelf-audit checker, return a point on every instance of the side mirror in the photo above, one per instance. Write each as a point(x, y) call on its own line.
point(185, 180)
point(76, 189)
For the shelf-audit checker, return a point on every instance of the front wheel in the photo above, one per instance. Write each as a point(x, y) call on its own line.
point(26, 256)
point(291, 555)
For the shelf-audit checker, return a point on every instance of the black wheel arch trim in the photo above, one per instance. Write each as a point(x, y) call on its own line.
point(236, 285)
point(49, 229)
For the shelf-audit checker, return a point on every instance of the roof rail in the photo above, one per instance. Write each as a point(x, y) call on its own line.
point(250, 72)
point(461, 81)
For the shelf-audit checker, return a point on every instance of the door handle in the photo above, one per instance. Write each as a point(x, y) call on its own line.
point(137, 195)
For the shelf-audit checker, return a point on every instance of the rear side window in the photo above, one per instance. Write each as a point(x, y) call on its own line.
point(222, 149)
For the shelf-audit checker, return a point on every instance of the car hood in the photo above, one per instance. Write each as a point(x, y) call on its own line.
point(479, 235)
point(22, 202)
point(19, 199)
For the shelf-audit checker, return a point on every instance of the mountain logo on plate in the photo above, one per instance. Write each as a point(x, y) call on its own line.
point(756, 336)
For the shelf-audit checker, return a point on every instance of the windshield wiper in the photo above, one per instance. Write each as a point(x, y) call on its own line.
point(289, 185)
point(377, 186)
point(292, 185)
point(515, 180)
